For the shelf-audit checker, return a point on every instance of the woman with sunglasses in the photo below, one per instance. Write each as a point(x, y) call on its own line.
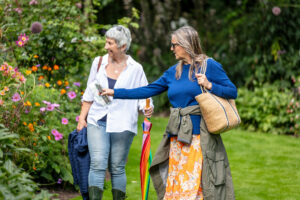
point(111, 124)
point(190, 163)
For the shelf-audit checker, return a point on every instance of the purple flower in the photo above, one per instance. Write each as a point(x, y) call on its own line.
point(33, 2)
point(281, 52)
point(64, 121)
point(71, 95)
point(68, 87)
point(42, 109)
point(77, 84)
point(77, 118)
point(276, 10)
point(38, 65)
point(46, 102)
point(27, 110)
point(36, 27)
point(59, 181)
point(16, 97)
point(50, 107)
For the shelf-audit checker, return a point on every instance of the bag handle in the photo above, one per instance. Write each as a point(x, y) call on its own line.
point(203, 71)
point(99, 63)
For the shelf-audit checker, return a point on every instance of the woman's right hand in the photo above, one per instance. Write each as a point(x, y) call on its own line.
point(81, 124)
point(108, 92)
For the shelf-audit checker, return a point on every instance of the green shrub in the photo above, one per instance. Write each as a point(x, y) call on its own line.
point(269, 110)
point(14, 182)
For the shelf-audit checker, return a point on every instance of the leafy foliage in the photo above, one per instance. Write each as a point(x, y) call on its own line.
point(268, 110)
point(14, 182)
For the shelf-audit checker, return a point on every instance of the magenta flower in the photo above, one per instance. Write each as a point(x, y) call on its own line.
point(58, 137)
point(64, 121)
point(276, 10)
point(71, 95)
point(16, 97)
point(77, 118)
point(36, 27)
point(42, 109)
point(20, 43)
point(50, 107)
point(33, 2)
point(54, 132)
point(77, 84)
point(23, 38)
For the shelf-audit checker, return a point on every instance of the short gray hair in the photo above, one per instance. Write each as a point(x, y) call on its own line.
point(120, 34)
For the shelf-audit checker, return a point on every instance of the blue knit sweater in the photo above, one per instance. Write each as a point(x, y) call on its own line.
point(182, 92)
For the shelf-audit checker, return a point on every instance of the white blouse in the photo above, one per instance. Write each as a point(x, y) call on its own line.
point(122, 115)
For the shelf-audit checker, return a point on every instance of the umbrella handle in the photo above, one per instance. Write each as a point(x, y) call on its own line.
point(148, 103)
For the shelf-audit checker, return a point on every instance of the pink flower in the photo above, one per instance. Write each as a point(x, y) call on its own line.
point(77, 118)
point(46, 102)
point(33, 2)
point(16, 97)
point(50, 107)
point(54, 132)
point(58, 137)
point(55, 105)
point(22, 79)
point(276, 10)
point(71, 95)
point(20, 43)
point(1, 102)
point(42, 109)
point(64, 121)
point(19, 10)
point(23, 38)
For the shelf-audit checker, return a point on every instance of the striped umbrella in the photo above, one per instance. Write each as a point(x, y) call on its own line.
point(146, 157)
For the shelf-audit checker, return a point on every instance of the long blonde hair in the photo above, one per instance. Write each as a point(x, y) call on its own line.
point(188, 39)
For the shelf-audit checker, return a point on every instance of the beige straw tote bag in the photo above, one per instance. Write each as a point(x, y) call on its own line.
point(219, 114)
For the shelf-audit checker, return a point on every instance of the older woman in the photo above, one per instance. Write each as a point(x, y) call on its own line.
point(111, 126)
point(192, 165)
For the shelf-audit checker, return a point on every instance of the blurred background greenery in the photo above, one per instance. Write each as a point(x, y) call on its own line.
point(256, 41)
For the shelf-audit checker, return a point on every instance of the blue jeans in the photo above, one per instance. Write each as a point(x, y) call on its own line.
point(108, 150)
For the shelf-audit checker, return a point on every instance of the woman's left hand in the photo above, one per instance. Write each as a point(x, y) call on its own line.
point(202, 80)
point(148, 111)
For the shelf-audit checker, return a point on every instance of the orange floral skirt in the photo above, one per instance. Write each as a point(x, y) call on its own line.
point(185, 169)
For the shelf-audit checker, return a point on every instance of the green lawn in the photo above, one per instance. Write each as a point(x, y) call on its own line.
point(263, 166)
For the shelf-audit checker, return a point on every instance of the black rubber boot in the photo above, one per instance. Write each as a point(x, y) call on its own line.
point(118, 194)
point(95, 193)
